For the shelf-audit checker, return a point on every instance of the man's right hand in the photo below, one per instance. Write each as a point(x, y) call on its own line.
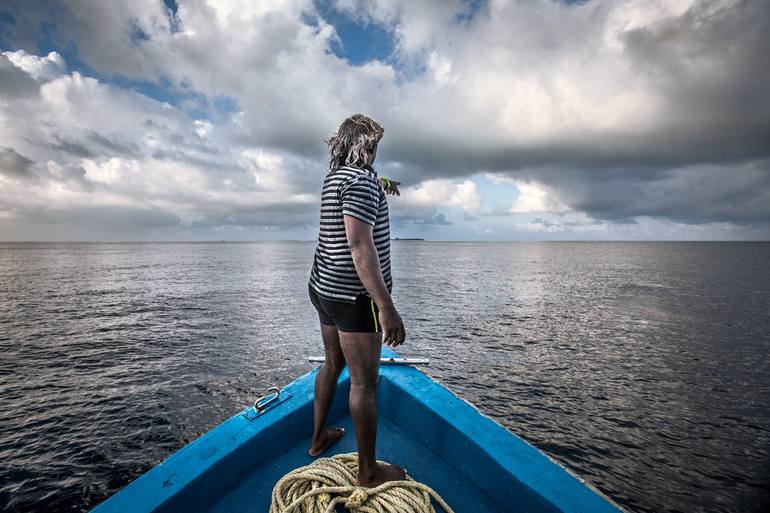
point(393, 332)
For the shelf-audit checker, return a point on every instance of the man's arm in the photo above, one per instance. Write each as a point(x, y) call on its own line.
point(367, 263)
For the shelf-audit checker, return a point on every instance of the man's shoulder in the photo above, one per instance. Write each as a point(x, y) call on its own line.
point(358, 178)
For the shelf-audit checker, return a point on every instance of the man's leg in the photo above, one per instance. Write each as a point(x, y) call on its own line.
point(362, 354)
point(325, 387)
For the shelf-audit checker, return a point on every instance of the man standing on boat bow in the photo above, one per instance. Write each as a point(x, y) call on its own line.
point(350, 285)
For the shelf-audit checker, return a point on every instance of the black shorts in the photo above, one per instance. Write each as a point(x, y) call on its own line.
point(358, 317)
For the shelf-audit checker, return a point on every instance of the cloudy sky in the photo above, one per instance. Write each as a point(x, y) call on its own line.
point(505, 120)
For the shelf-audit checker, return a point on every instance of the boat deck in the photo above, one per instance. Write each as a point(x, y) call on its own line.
point(474, 463)
point(252, 494)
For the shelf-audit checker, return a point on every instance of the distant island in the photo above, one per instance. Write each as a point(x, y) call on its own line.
point(406, 238)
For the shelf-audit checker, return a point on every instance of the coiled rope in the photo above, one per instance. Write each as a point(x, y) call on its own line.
point(320, 486)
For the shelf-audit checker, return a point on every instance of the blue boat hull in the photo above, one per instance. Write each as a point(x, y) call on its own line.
point(474, 463)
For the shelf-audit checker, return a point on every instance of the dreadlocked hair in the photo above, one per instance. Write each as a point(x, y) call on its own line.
point(354, 143)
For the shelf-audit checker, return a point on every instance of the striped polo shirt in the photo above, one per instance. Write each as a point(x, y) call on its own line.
point(355, 192)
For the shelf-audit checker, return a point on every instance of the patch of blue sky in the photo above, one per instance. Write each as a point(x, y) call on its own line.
point(210, 108)
point(172, 9)
point(360, 41)
point(137, 34)
point(473, 6)
point(495, 195)
point(172, 6)
point(225, 104)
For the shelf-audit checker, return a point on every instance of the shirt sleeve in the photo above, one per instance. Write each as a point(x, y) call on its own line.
point(361, 198)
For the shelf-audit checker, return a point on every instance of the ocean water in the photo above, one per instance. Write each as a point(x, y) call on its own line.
point(643, 367)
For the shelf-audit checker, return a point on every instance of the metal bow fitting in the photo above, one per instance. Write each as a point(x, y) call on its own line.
point(261, 403)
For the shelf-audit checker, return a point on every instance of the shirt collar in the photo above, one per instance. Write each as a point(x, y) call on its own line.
point(366, 168)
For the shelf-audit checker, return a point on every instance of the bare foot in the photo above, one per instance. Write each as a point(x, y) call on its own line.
point(382, 473)
point(328, 436)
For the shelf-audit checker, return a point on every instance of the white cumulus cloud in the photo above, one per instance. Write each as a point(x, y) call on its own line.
point(38, 67)
point(443, 193)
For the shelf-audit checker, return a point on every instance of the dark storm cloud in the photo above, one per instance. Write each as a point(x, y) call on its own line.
point(71, 147)
point(73, 177)
point(110, 146)
point(15, 166)
point(737, 193)
point(704, 162)
point(711, 64)
point(90, 144)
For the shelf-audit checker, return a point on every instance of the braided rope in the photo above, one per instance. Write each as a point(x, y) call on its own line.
point(320, 486)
